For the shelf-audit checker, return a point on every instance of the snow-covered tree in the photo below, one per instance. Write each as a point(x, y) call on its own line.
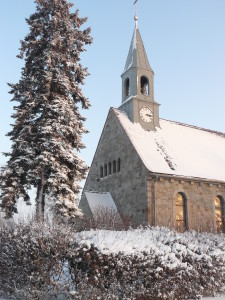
point(48, 128)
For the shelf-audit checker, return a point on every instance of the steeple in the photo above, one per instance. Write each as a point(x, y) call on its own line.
point(137, 57)
point(138, 85)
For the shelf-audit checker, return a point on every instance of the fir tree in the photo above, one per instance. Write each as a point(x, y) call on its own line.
point(48, 127)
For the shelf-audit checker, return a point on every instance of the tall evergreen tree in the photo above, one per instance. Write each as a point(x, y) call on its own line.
point(48, 128)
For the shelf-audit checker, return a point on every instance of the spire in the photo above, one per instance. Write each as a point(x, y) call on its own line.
point(137, 57)
point(138, 85)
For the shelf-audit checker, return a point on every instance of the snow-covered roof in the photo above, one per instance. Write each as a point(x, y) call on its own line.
point(178, 149)
point(98, 201)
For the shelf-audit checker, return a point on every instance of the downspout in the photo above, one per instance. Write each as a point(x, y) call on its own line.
point(153, 201)
point(154, 185)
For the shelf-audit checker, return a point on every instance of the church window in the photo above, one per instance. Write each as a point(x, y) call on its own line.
point(118, 165)
point(181, 212)
point(101, 172)
point(110, 168)
point(219, 211)
point(144, 86)
point(114, 167)
point(127, 87)
point(105, 170)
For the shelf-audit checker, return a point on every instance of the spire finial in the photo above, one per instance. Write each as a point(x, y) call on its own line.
point(136, 17)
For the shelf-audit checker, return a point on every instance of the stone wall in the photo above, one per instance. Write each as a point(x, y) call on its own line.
point(200, 197)
point(128, 187)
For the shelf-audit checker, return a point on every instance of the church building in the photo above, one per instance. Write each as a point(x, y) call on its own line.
point(155, 172)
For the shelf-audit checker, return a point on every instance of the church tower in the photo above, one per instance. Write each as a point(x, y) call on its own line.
point(138, 86)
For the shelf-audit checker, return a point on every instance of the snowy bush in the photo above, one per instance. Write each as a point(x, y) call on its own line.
point(40, 259)
point(152, 263)
point(33, 259)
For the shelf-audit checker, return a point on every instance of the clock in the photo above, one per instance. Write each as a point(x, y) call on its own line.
point(146, 114)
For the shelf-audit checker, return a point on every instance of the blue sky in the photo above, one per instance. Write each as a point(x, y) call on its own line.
point(184, 41)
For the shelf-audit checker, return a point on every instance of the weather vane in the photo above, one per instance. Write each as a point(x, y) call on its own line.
point(136, 17)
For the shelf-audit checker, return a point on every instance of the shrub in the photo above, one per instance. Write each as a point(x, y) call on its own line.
point(33, 259)
point(43, 260)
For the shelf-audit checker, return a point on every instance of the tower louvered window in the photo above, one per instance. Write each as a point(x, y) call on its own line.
point(127, 87)
point(144, 86)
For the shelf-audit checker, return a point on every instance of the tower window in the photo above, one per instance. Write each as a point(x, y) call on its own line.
point(219, 211)
point(127, 87)
point(181, 212)
point(144, 86)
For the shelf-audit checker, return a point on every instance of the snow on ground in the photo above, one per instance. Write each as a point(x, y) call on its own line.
point(178, 149)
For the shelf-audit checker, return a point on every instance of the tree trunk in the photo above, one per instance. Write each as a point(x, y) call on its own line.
point(40, 200)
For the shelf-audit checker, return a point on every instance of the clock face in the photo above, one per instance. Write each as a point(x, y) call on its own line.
point(146, 114)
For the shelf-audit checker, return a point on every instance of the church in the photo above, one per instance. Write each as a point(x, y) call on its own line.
point(154, 171)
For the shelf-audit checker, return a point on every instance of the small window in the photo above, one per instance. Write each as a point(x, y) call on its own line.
point(110, 168)
point(105, 170)
point(101, 172)
point(118, 165)
point(127, 87)
point(181, 212)
point(114, 167)
point(144, 86)
point(219, 211)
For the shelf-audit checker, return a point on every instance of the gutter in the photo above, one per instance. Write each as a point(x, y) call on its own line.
point(154, 197)
point(186, 178)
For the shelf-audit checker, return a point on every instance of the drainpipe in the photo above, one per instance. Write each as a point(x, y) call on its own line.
point(154, 182)
point(153, 201)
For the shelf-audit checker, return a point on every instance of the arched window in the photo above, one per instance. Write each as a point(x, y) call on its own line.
point(105, 170)
point(219, 213)
point(144, 86)
point(181, 212)
point(118, 165)
point(101, 172)
point(114, 167)
point(110, 168)
point(127, 87)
